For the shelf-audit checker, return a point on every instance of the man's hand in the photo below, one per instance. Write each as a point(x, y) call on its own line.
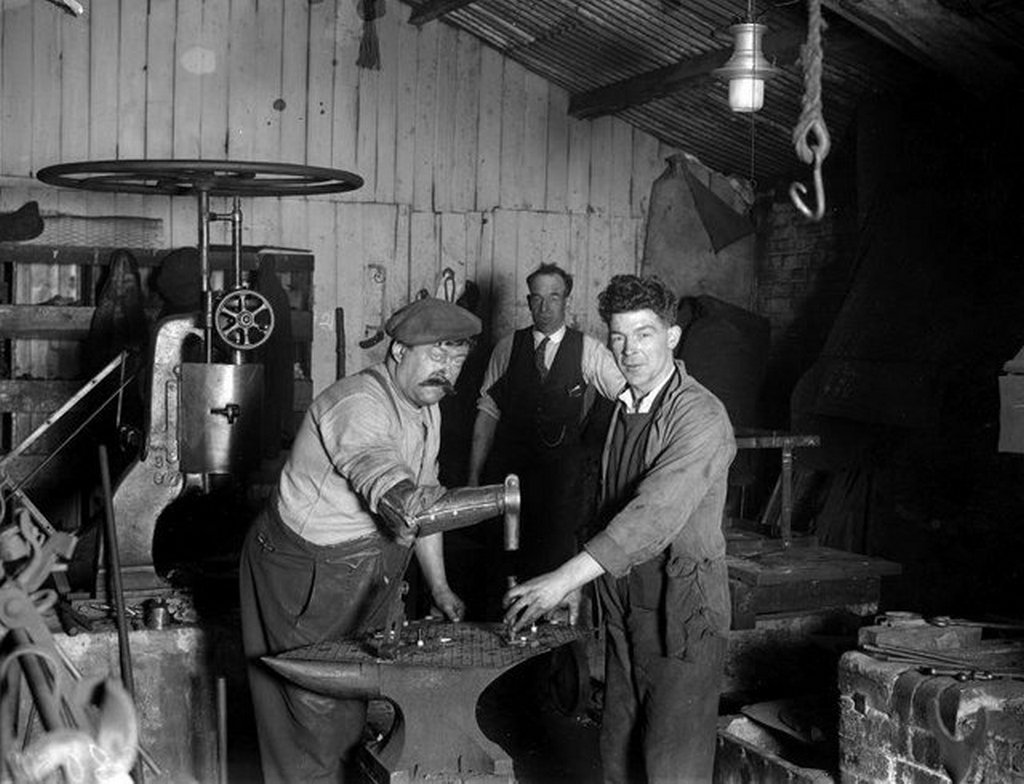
point(535, 598)
point(448, 604)
point(572, 606)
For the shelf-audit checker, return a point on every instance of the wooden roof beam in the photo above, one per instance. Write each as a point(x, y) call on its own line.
point(782, 47)
point(429, 10)
point(933, 35)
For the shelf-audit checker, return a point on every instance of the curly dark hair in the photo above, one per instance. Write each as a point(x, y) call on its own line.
point(626, 293)
point(551, 269)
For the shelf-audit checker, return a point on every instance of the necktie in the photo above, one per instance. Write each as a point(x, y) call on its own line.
point(538, 358)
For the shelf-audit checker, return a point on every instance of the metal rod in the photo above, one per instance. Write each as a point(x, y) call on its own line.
point(786, 515)
point(236, 240)
point(114, 568)
point(36, 434)
point(511, 524)
point(222, 730)
point(203, 198)
point(237, 355)
point(56, 450)
point(10, 710)
point(339, 343)
point(42, 692)
point(769, 507)
point(33, 510)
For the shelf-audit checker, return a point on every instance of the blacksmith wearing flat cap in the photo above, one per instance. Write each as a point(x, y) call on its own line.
point(368, 444)
point(431, 320)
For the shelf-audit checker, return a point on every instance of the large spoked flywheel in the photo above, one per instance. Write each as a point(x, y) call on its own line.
point(186, 177)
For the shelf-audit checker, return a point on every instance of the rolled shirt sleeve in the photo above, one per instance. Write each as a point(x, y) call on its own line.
point(373, 465)
point(599, 368)
point(496, 367)
point(354, 445)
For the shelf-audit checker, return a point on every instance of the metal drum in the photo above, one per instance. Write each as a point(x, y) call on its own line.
point(221, 407)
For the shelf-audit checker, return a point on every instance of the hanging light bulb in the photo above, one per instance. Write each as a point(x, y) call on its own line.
point(746, 70)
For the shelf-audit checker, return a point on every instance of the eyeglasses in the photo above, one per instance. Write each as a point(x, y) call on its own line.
point(447, 356)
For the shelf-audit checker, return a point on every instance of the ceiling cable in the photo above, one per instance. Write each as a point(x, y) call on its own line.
point(753, 181)
point(750, 17)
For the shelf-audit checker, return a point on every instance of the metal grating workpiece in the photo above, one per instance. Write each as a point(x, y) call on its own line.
point(446, 646)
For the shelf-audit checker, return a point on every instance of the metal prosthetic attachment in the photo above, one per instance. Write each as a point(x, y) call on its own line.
point(410, 511)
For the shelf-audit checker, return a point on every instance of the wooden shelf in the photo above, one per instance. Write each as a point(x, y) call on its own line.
point(71, 322)
point(286, 259)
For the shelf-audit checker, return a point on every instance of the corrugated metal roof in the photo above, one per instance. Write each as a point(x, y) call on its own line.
point(582, 45)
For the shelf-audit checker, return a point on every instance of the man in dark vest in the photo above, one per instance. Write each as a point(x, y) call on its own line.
point(533, 404)
point(659, 560)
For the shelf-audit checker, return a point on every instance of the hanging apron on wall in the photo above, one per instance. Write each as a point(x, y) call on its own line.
point(696, 242)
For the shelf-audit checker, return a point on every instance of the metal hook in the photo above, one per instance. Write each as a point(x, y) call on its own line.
point(378, 276)
point(798, 190)
point(448, 283)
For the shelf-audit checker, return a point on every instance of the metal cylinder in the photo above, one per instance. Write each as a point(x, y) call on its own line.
point(221, 410)
point(155, 614)
point(511, 531)
point(465, 506)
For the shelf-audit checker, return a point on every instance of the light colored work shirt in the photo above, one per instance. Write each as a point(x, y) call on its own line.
point(357, 440)
point(644, 404)
point(597, 367)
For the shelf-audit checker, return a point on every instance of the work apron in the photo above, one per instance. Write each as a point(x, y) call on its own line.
point(664, 655)
point(665, 624)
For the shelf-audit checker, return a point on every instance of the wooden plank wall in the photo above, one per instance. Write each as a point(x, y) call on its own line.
point(469, 161)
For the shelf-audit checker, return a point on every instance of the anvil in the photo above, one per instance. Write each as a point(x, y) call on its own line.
point(434, 682)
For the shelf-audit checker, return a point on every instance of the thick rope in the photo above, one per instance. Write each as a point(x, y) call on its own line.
point(811, 118)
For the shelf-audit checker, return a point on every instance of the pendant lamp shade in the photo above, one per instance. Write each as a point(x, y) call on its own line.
point(747, 69)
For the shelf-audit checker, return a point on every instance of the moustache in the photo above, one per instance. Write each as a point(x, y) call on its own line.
point(436, 381)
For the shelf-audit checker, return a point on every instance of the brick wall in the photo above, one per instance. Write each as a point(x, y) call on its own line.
point(887, 733)
point(803, 272)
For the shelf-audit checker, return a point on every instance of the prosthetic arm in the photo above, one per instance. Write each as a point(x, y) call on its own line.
point(410, 511)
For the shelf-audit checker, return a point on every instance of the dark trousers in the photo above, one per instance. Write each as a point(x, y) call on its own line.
point(294, 593)
point(663, 674)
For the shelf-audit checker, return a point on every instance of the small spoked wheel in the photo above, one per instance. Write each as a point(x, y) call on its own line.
point(244, 319)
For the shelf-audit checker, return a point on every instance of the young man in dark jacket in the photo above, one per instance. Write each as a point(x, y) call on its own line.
point(659, 561)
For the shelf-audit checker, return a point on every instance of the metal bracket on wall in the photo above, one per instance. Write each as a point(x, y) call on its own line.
point(377, 276)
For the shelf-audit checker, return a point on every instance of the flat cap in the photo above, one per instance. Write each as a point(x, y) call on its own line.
point(429, 320)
